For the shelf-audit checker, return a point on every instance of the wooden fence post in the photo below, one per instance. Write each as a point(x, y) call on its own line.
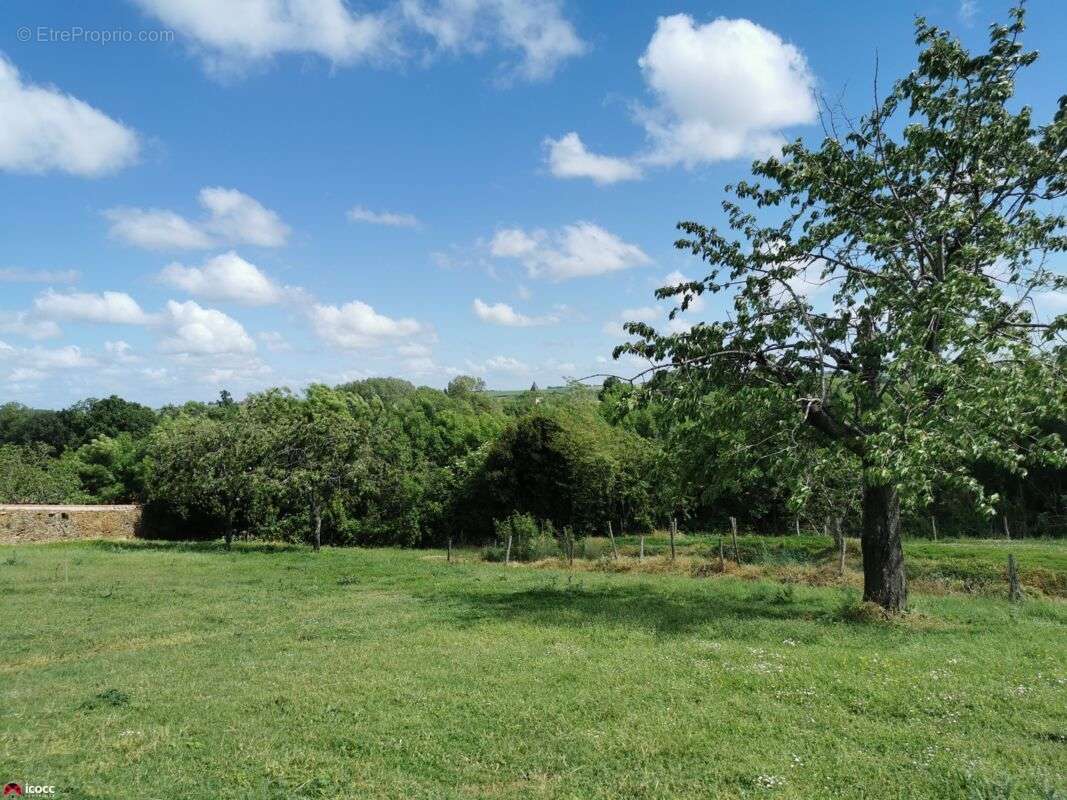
point(642, 547)
point(507, 554)
point(733, 533)
point(722, 556)
point(449, 549)
point(674, 529)
point(798, 526)
point(1007, 530)
point(611, 535)
point(840, 549)
point(1015, 588)
point(933, 526)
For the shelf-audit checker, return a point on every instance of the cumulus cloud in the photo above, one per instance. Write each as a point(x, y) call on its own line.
point(22, 324)
point(356, 325)
point(45, 130)
point(106, 307)
point(725, 89)
point(503, 314)
point(574, 251)
point(225, 277)
point(121, 352)
point(203, 331)
point(568, 158)
point(19, 275)
point(69, 357)
point(156, 229)
point(505, 364)
point(233, 37)
point(387, 218)
point(274, 341)
point(238, 218)
point(233, 218)
point(536, 29)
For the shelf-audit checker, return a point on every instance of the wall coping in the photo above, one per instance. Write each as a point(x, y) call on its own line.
point(31, 507)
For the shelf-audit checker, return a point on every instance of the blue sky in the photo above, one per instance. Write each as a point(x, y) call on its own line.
point(280, 193)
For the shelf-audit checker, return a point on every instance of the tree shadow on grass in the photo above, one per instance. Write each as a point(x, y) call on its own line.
point(640, 607)
point(211, 546)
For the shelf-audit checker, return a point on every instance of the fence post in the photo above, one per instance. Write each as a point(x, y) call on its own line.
point(674, 529)
point(722, 556)
point(933, 526)
point(642, 547)
point(449, 549)
point(1007, 530)
point(733, 533)
point(611, 535)
point(840, 549)
point(1015, 588)
point(507, 554)
point(798, 525)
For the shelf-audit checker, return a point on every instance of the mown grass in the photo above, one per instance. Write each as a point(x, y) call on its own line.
point(157, 670)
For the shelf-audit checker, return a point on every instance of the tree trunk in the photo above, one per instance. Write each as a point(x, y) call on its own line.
point(317, 516)
point(883, 557)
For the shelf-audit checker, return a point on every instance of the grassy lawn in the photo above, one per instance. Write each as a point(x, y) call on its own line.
point(170, 671)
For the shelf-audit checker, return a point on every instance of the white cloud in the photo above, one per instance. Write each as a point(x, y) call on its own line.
point(647, 314)
point(356, 325)
point(577, 250)
point(45, 130)
point(387, 218)
point(203, 331)
point(69, 357)
point(274, 341)
point(156, 229)
point(234, 36)
point(505, 364)
point(23, 324)
point(723, 90)
point(536, 28)
point(107, 307)
point(19, 275)
point(967, 11)
point(225, 277)
point(503, 314)
point(512, 243)
point(568, 158)
point(238, 218)
point(1051, 304)
point(26, 375)
point(233, 218)
point(121, 352)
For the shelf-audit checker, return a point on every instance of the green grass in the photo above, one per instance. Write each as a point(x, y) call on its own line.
point(181, 671)
point(971, 565)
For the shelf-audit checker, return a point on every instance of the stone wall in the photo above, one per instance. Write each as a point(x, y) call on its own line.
point(19, 523)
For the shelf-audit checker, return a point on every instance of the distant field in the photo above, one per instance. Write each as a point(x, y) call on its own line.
point(156, 670)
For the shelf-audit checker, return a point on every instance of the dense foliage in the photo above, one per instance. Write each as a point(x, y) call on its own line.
point(381, 461)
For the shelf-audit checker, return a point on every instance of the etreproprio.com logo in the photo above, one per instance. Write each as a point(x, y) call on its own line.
point(13, 789)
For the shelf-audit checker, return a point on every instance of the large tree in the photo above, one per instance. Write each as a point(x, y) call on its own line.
point(931, 222)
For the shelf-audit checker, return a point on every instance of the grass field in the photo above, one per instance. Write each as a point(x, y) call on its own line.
point(154, 670)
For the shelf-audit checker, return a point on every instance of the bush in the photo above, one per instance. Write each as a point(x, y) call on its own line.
point(530, 540)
